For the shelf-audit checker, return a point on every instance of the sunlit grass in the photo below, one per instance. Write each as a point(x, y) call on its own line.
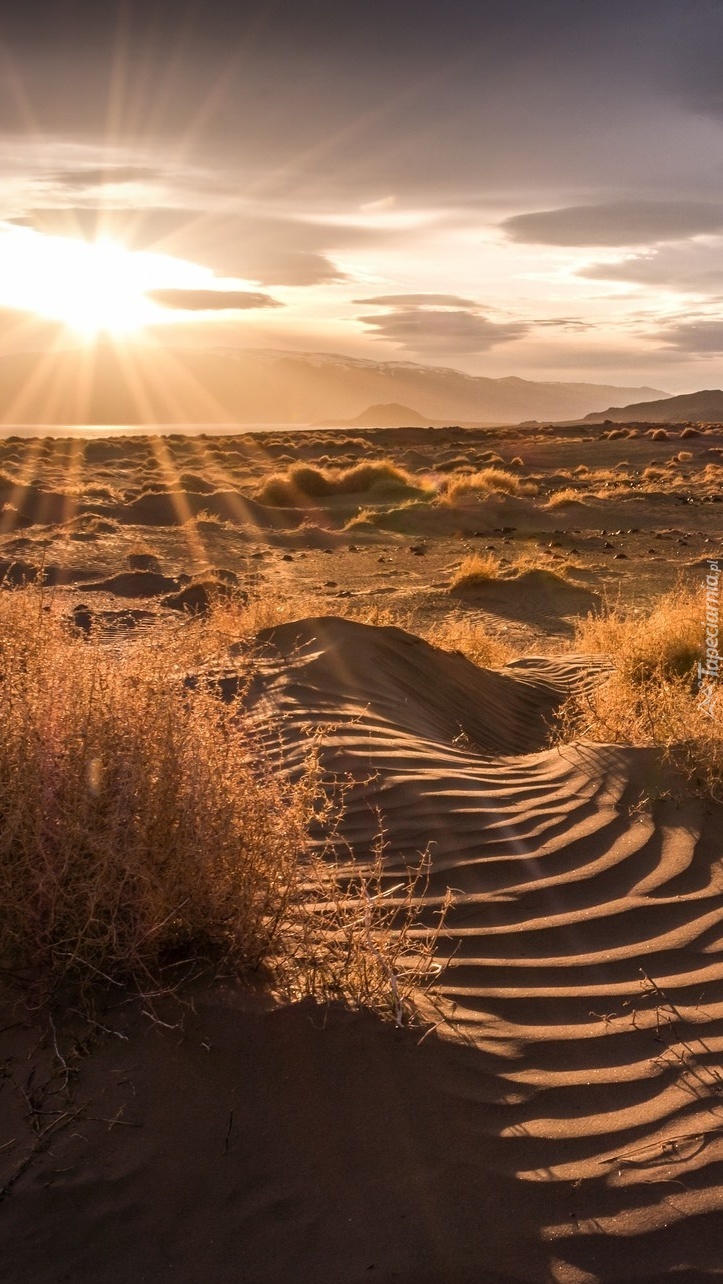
point(652, 696)
point(145, 822)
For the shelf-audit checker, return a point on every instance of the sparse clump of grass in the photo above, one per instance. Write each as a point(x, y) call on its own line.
point(651, 696)
point(556, 567)
point(143, 822)
point(476, 569)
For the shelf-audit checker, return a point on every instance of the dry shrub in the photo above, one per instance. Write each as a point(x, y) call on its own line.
point(304, 482)
point(487, 481)
point(364, 937)
point(689, 432)
point(658, 434)
point(471, 640)
point(651, 697)
point(133, 821)
point(143, 822)
point(561, 497)
point(653, 474)
point(476, 569)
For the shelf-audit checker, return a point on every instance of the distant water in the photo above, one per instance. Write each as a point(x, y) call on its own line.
point(145, 430)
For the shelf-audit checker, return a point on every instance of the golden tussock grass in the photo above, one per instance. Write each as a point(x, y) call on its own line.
point(561, 497)
point(304, 481)
point(471, 640)
point(486, 481)
point(142, 822)
point(478, 568)
point(651, 697)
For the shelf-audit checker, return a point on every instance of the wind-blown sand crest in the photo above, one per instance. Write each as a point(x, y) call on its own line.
point(583, 954)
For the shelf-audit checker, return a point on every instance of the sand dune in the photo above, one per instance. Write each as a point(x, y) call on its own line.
point(584, 954)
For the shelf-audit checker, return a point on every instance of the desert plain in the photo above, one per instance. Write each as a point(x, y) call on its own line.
point(539, 1097)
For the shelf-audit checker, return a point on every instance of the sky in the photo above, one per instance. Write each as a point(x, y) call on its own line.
point(528, 188)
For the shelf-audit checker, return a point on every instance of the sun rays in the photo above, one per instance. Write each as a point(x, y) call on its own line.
point(90, 287)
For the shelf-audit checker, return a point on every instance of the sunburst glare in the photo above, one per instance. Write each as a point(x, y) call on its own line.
point(91, 286)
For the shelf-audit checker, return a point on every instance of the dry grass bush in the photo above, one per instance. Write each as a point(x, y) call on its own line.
point(471, 640)
point(476, 569)
point(142, 823)
point(304, 481)
point(133, 823)
point(364, 939)
point(487, 481)
point(561, 497)
point(651, 697)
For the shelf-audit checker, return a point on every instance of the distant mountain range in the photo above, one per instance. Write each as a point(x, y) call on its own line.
point(699, 407)
point(147, 385)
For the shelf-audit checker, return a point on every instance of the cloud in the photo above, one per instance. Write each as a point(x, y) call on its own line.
point(212, 300)
point(270, 250)
point(703, 337)
point(99, 176)
point(616, 223)
point(440, 330)
point(372, 98)
point(420, 300)
point(574, 324)
point(694, 268)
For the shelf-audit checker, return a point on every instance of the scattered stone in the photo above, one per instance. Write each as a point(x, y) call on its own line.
point(82, 618)
point(144, 562)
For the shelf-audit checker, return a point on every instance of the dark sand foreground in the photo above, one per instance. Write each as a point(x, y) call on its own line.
point(556, 1115)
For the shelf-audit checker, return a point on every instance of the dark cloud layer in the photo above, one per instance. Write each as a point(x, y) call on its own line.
point(419, 300)
point(434, 330)
point(99, 176)
point(315, 96)
point(702, 337)
point(616, 223)
point(695, 267)
point(212, 300)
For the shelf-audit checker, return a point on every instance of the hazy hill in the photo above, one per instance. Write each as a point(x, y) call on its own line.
point(700, 407)
point(389, 415)
point(139, 384)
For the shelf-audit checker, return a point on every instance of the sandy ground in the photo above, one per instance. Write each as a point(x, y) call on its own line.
point(557, 1117)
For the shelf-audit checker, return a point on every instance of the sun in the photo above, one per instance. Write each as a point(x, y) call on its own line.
point(91, 287)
